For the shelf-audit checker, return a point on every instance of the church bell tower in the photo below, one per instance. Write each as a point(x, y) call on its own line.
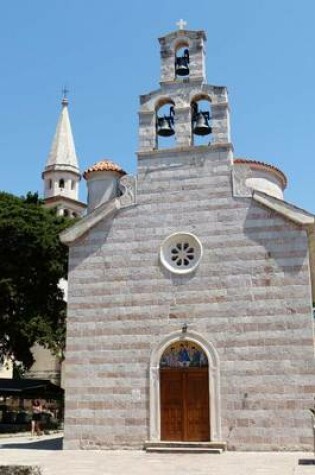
point(185, 112)
point(61, 174)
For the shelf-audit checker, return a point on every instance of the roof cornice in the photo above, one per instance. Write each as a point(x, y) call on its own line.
point(298, 216)
point(128, 197)
point(287, 210)
point(64, 199)
point(85, 224)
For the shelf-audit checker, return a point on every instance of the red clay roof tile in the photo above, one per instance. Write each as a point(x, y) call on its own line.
point(262, 165)
point(104, 165)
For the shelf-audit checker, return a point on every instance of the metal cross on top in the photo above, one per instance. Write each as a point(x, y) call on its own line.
point(65, 92)
point(64, 101)
point(181, 24)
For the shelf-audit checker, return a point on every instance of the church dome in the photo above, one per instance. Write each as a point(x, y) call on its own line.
point(104, 166)
point(263, 177)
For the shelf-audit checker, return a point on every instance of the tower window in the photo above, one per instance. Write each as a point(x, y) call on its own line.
point(72, 184)
point(61, 183)
point(49, 184)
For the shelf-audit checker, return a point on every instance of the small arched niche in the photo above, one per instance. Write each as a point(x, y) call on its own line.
point(182, 60)
point(201, 129)
point(165, 123)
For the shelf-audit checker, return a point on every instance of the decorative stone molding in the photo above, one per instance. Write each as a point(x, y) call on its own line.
point(181, 253)
point(240, 175)
point(128, 187)
point(214, 383)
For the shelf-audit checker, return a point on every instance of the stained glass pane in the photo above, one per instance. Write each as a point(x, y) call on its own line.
point(184, 354)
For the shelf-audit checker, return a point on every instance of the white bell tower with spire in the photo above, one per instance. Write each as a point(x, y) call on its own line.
point(61, 174)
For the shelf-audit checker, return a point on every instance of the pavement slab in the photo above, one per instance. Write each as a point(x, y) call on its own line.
point(47, 453)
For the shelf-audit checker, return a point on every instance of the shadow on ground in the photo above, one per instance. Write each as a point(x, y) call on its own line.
point(50, 444)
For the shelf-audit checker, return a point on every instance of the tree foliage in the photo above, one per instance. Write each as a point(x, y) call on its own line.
point(32, 261)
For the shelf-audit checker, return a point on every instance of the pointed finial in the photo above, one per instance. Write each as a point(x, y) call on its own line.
point(181, 24)
point(65, 101)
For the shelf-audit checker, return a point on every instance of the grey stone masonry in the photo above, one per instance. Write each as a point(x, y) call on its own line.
point(250, 297)
point(247, 302)
point(195, 42)
point(182, 95)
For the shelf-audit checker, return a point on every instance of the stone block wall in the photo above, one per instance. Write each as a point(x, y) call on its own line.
point(195, 42)
point(182, 95)
point(250, 297)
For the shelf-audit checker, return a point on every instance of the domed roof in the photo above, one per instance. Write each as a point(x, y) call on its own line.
point(263, 166)
point(104, 166)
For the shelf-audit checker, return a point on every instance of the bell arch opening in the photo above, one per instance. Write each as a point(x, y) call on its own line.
point(182, 60)
point(201, 129)
point(185, 362)
point(165, 123)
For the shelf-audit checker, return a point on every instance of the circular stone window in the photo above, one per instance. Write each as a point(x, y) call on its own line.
point(181, 253)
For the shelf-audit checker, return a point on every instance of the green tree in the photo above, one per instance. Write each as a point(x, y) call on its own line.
point(32, 261)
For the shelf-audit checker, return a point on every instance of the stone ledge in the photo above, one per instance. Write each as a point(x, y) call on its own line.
point(76, 231)
point(189, 148)
point(289, 211)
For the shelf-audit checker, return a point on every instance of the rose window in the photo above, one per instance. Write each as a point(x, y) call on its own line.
point(181, 253)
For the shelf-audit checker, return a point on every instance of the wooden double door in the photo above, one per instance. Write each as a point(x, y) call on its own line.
point(185, 404)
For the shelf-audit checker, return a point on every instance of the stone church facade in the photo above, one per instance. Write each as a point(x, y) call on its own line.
point(190, 285)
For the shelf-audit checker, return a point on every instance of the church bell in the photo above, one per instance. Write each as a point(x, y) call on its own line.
point(165, 124)
point(181, 64)
point(201, 122)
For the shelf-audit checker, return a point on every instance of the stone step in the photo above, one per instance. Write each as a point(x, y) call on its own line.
point(185, 447)
point(183, 450)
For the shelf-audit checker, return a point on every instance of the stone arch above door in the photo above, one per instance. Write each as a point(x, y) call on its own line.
point(214, 382)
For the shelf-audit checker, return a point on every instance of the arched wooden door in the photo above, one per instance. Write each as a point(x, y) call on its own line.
point(184, 383)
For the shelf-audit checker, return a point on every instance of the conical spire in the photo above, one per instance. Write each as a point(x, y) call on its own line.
point(61, 174)
point(62, 155)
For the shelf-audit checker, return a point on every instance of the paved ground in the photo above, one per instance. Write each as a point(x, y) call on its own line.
point(46, 452)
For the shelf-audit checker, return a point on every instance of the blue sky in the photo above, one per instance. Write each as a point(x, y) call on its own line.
point(107, 54)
